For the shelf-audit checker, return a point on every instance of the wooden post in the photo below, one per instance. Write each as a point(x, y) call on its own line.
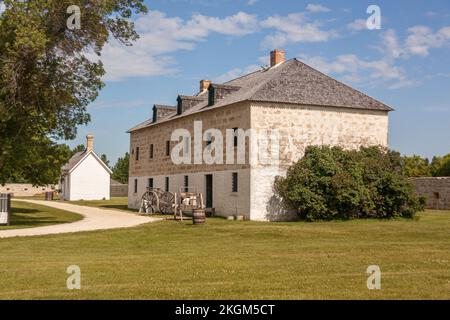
point(5, 208)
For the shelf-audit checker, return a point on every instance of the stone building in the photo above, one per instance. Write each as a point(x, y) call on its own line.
point(294, 106)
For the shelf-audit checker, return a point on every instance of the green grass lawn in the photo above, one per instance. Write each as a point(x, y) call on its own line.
point(118, 203)
point(27, 215)
point(235, 260)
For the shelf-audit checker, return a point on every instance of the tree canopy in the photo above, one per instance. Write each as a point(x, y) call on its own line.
point(440, 166)
point(47, 78)
point(105, 160)
point(120, 170)
point(416, 166)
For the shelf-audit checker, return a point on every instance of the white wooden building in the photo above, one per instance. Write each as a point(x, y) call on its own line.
point(85, 176)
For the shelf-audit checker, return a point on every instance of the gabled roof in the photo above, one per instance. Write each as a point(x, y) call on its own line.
point(78, 158)
point(289, 82)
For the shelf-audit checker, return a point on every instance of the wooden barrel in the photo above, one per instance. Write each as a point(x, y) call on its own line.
point(49, 196)
point(198, 216)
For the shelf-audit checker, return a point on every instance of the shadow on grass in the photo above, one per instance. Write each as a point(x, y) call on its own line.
point(23, 210)
point(24, 218)
point(117, 206)
point(25, 215)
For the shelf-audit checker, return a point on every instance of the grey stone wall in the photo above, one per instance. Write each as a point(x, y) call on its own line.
point(119, 190)
point(25, 189)
point(436, 190)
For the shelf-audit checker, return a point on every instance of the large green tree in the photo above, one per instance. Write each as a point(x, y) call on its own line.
point(416, 166)
point(120, 170)
point(105, 160)
point(440, 166)
point(47, 79)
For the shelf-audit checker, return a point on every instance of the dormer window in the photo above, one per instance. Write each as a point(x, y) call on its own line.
point(217, 92)
point(186, 102)
point(162, 111)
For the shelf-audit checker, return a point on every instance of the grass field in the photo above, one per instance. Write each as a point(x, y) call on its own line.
point(117, 203)
point(235, 260)
point(27, 215)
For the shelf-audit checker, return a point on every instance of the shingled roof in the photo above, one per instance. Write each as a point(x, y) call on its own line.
point(73, 161)
point(77, 158)
point(290, 82)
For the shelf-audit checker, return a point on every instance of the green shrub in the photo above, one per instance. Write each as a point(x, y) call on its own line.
point(332, 183)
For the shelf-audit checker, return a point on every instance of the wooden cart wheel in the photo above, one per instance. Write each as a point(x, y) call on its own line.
point(167, 202)
point(149, 203)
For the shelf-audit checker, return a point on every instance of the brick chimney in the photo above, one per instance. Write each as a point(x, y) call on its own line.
point(89, 142)
point(204, 85)
point(276, 57)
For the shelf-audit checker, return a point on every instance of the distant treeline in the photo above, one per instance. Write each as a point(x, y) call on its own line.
point(416, 166)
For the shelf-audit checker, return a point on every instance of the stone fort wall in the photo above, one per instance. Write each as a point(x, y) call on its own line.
point(436, 190)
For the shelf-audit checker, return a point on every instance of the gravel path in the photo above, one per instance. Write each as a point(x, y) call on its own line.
point(94, 219)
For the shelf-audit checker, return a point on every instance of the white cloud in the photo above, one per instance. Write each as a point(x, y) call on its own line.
point(237, 25)
point(391, 44)
point(421, 39)
point(294, 28)
point(312, 7)
point(161, 36)
point(357, 25)
point(236, 73)
point(385, 71)
point(2, 7)
point(351, 68)
point(251, 2)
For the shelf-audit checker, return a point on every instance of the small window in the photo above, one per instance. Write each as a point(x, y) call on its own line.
point(150, 183)
point(437, 196)
point(137, 153)
point(186, 183)
point(151, 151)
point(234, 182)
point(132, 151)
point(167, 148)
point(235, 136)
point(135, 185)
point(167, 186)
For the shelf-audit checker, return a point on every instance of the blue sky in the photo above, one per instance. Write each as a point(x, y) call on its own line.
point(406, 64)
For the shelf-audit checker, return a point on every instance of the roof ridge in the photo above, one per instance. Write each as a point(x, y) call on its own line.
point(261, 70)
point(164, 105)
point(243, 76)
